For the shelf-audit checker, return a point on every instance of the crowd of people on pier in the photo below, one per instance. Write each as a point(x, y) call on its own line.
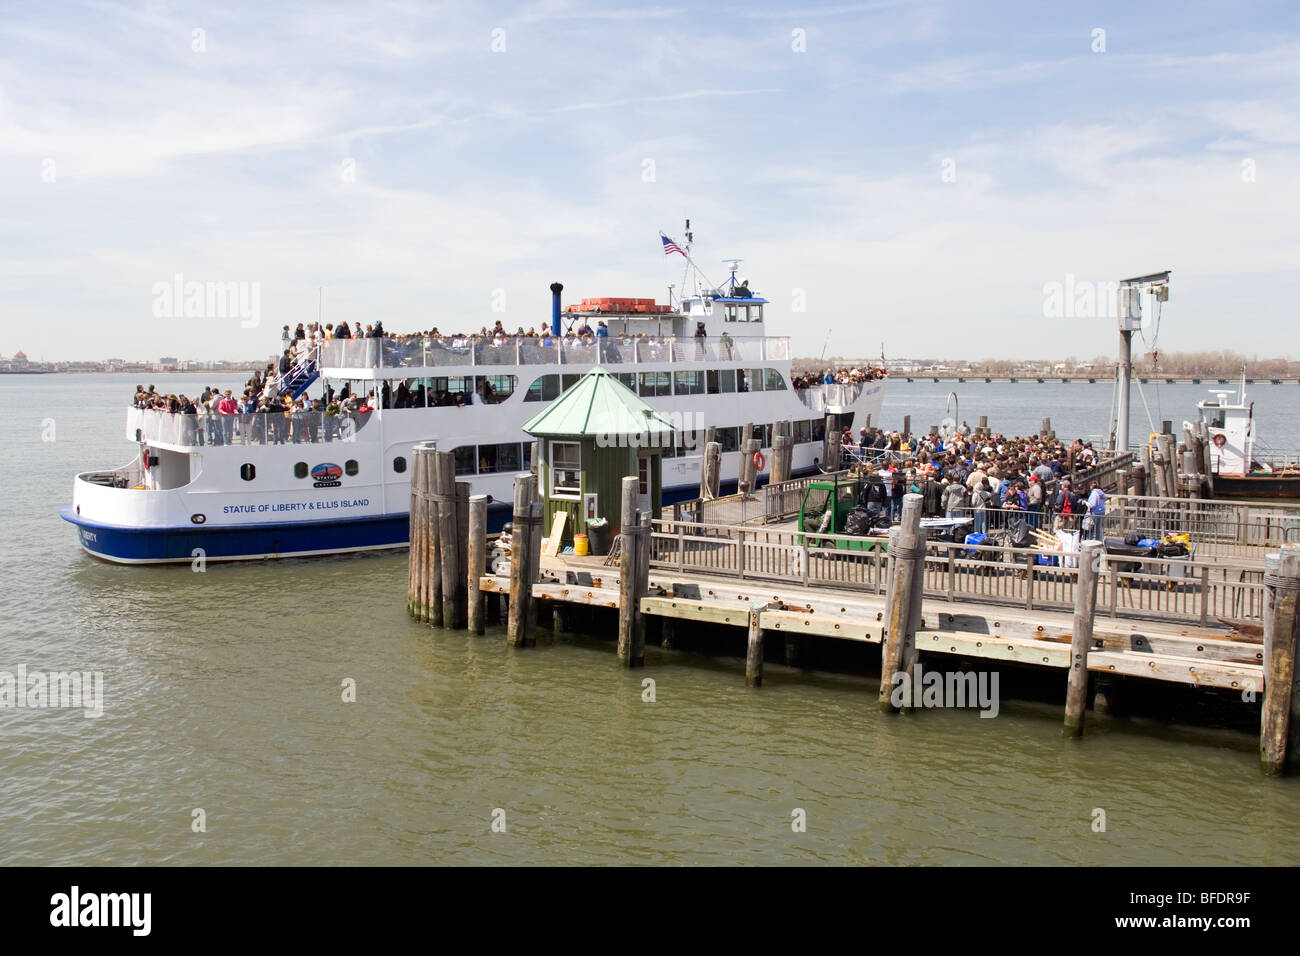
point(981, 476)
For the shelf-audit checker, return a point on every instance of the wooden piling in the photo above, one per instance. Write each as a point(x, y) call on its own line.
point(1279, 724)
point(753, 448)
point(535, 537)
point(444, 491)
point(754, 652)
point(476, 559)
point(462, 552)
point(667, 632)
point(644, 543)
point(1085, 611)
point(628, 573)
point(433, 555)
point(793, 650)
point(520, 587)
point(780, 459)
point(1172, 463)
point(834, 450)
point(414, 530)
point(711, 471)
point(908, 554)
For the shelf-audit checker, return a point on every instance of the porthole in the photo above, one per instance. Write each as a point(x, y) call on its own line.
point(350, 466)
point(247, 472)
point(300, 470)
point(399, 464)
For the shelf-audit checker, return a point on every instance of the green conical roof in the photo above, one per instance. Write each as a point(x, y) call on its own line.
point(599, 404)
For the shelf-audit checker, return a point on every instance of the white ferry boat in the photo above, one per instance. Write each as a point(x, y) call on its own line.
point(252, 486)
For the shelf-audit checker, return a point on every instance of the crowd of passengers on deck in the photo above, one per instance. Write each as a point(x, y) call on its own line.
point(498, 346)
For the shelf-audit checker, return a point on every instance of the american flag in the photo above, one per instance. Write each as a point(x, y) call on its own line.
point(669, 246)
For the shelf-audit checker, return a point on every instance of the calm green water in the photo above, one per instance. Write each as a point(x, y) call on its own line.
point(222, 692)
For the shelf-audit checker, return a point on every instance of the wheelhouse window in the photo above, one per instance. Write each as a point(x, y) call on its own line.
point(566, 469)
point(773, 380)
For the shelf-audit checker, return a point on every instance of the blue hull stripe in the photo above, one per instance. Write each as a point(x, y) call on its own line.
point(126, 544)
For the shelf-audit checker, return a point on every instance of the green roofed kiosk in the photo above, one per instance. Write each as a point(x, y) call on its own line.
point(589, 439)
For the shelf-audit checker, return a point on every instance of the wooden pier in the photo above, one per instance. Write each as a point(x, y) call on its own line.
point(1088, 616)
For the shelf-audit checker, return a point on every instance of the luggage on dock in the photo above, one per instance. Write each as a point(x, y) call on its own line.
point(977, 539)
point(1120, 548)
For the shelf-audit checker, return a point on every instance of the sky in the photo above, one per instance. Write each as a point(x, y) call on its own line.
point(912, 175)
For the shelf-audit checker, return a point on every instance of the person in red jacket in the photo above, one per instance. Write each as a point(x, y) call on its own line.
point(228, 408)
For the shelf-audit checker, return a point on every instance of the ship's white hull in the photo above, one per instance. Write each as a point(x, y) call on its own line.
point(196, 504)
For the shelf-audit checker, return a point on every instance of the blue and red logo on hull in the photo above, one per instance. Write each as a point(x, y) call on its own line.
point(327, 475)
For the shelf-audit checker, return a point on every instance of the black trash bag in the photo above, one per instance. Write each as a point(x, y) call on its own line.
point(1018, 530)
point(1172, 549)
point(857, 521)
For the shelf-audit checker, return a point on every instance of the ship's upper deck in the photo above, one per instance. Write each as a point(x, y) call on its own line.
point(419, 356)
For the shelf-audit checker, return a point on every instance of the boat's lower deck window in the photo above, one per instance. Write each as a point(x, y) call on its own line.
point(506, 457)
point(498, 458)
point(247, 472)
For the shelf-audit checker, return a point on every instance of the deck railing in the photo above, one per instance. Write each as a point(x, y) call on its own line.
point(252, 428)
point(475, 351)
point(819, 398)
point(1183, 589)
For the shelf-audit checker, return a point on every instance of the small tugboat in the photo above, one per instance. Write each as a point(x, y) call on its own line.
point(1238, 472)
